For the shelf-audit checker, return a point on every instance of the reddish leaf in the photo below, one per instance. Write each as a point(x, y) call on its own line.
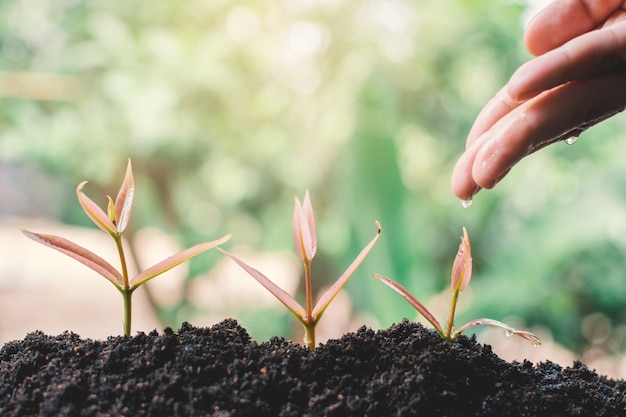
point(309, 219)
point(510, 331)
point(304, 230)
point(297, 230)
point(124, 200)
point(462, 267)
point(79, 253)
point(332, 292)
point(175, 260)
point(412, 300)
point(95, 213)
point(278, 292)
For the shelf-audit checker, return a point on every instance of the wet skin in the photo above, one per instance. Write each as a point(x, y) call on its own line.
point(576, 80)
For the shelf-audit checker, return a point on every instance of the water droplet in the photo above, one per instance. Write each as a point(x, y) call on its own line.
point(571, 140)
point(509, 333)
point(536, 342)
point(466, 203)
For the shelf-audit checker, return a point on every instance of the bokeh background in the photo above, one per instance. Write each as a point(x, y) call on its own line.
point(229, 109)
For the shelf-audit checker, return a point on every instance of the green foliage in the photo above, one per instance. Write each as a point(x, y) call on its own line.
point(228, 109)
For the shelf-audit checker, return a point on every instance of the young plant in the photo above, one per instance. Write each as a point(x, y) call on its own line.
point(305, 241)
point(461, 275)
point(114, 222)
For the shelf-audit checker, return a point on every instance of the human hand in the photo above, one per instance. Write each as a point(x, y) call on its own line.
point(577, 80)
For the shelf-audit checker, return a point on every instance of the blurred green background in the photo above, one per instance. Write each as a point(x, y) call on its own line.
point(229, 109)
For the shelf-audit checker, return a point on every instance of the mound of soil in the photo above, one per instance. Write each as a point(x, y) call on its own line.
point(405, 370)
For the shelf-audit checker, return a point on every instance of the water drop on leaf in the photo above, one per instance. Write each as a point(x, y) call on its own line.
point(571, 140)
point(466, 203)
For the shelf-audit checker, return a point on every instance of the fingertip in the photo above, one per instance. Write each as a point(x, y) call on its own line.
point(490, 167)
point(466, 191)
point(462, 183)
point(535, 40)
point(483, 181)
point(544, 27)
point(491, 182)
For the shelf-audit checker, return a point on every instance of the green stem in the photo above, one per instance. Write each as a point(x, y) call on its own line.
point(309, 321)
point(308, 291)
point(309, 335)
point(154, 306)
point(126, 291)
point(455, 297)
point(127, 295)
point(120, 251)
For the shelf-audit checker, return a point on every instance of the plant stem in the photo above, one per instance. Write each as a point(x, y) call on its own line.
point(127, 293)
point(309, 321)
point(455, 297)
point(309, 335)
point(120, 251)
point(308, 291)
point(154, 306)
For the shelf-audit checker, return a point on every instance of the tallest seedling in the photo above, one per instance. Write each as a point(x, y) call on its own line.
point(305, 241)
point(114, 222)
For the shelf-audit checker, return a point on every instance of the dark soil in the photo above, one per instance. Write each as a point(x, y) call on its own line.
point(405, 370)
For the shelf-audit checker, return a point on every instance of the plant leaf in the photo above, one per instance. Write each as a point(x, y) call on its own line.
point(278, 292)
point(174, 260)
point(111, 209)
point(462, 267)
point(124, 200)
point(297, 229)
point(304, 232)
point(95, 213)
point(332, 292)
point(412, 300)
point(79, 253)
point(508, 329)
point(309, 219)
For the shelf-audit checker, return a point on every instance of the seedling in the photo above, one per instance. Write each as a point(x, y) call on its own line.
point(461, 275)
point(305, 241)
point(114, 222)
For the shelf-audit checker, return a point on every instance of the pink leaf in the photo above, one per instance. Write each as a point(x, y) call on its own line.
point(95, 213)
point(79, 253)
point(462, 267)
point(332, 292)
point(297, 229)
point(304, 231)
point(309, 218)
point(510, 331)
point(124, 200)
point(278, 292)
point(412, 300)
point(175, 260)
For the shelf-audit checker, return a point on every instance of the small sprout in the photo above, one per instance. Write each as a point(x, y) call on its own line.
point(305, 241)
point(461, 275)
point(114, 222)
